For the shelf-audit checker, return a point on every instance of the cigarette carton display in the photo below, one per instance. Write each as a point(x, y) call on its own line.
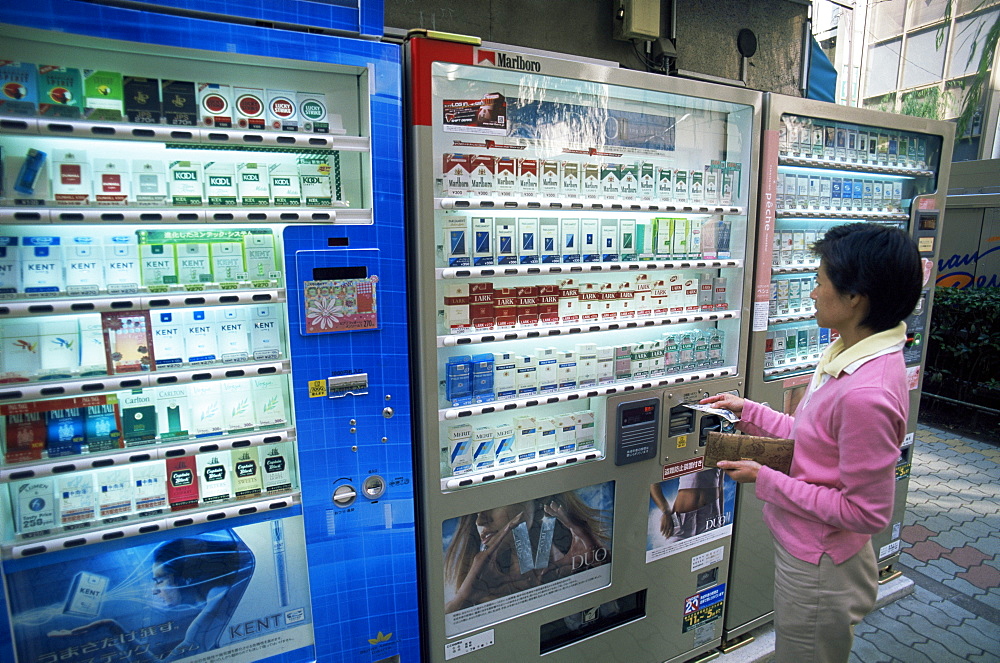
point(111, 182)
point(482, 174)
point(142, 100)
point(180, 102)
point(113, 494)
point(214, 476)
point(187, 185)
point(250, 108)
point(215, 103)
point(460, 445)
point(182, 483)
point(220, 184)
point(456, 230)
point(150, 487)
point(282, 110)
point(483, 241)
point(103, 95)
point(35, 504)
point(277, 464)
point(18, 88)
point(247, 480)
point(60, 91)
point(71, 179)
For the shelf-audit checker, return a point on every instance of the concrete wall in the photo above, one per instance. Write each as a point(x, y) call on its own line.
point(706, 32)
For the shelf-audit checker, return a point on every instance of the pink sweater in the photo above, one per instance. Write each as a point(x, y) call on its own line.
point(847, 436)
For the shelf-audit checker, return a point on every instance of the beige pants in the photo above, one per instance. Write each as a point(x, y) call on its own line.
point(817, 605)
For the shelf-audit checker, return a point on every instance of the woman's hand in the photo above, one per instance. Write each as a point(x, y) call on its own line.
point(667, 524)
point(729, 402)
point(743, 471)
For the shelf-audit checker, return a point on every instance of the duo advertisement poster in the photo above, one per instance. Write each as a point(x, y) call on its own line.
point(199, 596)
point(687, 511)
point(516, 558)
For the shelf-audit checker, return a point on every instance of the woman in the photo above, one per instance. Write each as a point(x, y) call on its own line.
point(207, 574)
point(847, 430)
point(481, 562)
point(696, 508)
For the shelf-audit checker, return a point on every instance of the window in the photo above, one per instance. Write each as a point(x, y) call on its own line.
point(883, 64)
point(966, 47)
point(924, 60)
point(888, 19)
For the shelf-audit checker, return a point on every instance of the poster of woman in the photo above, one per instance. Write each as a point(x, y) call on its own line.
point(687, 511)
point(515, 558)
point(239, 593)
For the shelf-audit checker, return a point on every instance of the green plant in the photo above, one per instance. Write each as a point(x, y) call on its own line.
point(928, 102)
point(963, 354)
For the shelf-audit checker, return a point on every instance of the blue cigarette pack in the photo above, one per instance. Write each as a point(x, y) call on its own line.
point(458, 380)
point(482, 378)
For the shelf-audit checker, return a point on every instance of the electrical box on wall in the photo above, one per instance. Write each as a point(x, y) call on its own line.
point(637, 19)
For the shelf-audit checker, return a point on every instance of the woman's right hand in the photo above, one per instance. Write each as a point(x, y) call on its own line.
point(724, 401)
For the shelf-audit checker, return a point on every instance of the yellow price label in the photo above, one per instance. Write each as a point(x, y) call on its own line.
point(317, 388)
point(682, 441)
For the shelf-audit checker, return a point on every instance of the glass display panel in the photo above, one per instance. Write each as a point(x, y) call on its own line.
point(566, 209)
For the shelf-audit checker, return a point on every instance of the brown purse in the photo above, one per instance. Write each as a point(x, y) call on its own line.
point(775, 453)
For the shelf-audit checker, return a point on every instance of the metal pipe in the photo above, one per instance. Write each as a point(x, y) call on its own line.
point(981, 408)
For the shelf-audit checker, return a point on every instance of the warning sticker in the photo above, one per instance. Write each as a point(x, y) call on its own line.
point(703, 607)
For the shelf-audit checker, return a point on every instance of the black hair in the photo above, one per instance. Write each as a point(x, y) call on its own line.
point(880, 262)
point(204, 563)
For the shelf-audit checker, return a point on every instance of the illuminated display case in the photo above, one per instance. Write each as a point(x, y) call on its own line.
point(824, 165)
point(202, 311)
point(580, 242)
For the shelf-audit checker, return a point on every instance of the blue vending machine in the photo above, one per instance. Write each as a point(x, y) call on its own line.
point(205, 442)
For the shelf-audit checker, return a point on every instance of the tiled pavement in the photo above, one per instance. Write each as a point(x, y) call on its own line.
point(951, 552)
point(950, 559)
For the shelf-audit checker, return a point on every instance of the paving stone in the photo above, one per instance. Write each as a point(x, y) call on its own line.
point(984, 507)
point(976, 637)
point(962, 517)
point(941, 653)
point(979, 626)
point(865, 651)
point(915, 533)
point(962, 585)
point(901, 631)
point(988, 544)
point(938, 523)
point(906, 559)
point(991, 599)
point(976, 528)
point(936, 573)
point(927, 550)
point(952, 538)
point(936, 610)
point(953, 641)
point(967, 556)
point(982, 576)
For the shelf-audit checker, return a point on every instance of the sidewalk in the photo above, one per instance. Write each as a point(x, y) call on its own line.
point(951, 544)
point(950, 559)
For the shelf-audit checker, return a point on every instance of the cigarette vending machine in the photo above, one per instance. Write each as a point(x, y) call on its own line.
point(580, 237)
point(204, 397)
point(823, 165)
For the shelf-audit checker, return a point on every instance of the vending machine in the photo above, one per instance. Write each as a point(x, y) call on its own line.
point(580, 237)
point(204, 391)
point(823, 165)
